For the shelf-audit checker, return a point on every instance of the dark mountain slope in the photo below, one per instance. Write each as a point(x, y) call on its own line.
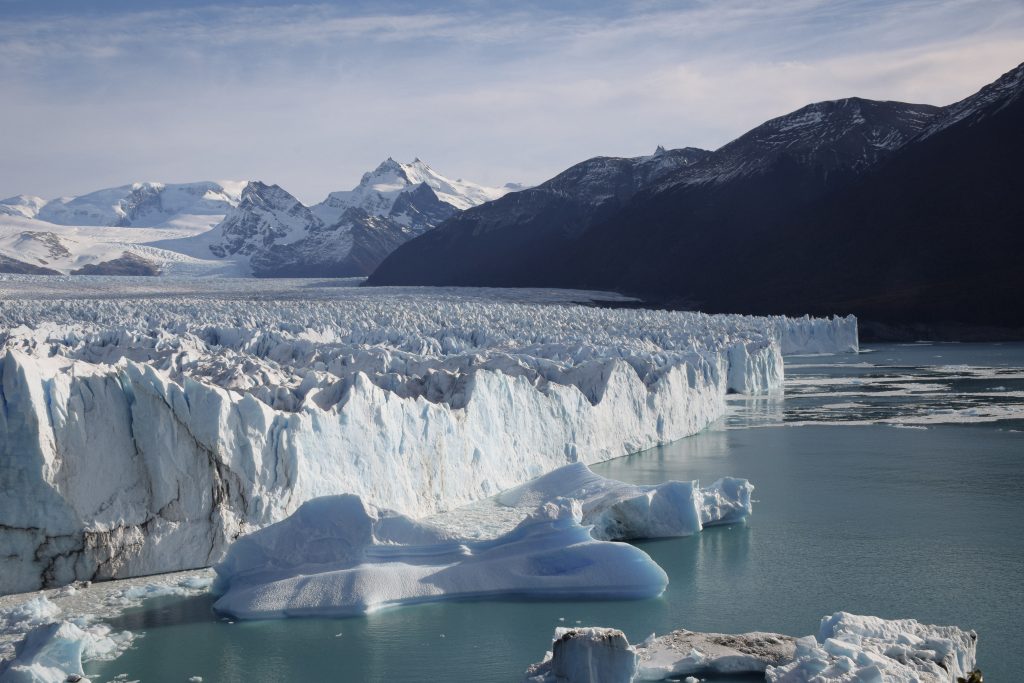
point(933, 233)
point(603, 224)
point(722, 236)
point(936, 233)
point(523, 237)
point(897, 213)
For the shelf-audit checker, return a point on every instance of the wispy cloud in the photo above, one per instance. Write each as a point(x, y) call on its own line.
point(311, 95)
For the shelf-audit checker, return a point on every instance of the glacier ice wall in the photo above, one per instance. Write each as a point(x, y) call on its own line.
point(142, 436)
point(809, 335)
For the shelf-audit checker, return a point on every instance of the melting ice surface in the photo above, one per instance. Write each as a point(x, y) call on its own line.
point(868, 518)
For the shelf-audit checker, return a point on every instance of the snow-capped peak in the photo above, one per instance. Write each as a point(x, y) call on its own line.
point(378, 189)
point(265, 214)
point(200, 204)
point(21, 205)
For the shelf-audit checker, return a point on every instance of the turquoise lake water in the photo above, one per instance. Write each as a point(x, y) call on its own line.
point(853, 512)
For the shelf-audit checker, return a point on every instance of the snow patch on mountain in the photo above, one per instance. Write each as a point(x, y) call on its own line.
point(847, 135)
point(989, 100)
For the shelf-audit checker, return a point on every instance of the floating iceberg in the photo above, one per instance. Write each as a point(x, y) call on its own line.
point(862, 648)
point(670, 657)
point(595, 655)
point(143, 436)
point(689, 653)
point(618, 511)
point(849, 649)
point(338, 556)
point(53, 653)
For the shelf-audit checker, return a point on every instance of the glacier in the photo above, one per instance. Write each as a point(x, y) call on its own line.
point(848, 648)
point(144, 435)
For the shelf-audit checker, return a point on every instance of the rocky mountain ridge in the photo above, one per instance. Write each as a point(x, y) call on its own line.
point(899, 213)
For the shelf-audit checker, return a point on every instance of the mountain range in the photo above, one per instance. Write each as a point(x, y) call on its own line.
point(899, 213)
point(231, 227)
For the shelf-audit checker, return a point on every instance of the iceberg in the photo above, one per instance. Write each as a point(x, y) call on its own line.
point(53, 653)
point(144, 435)
point(595, 655)
point(848, 648)
point(618, 511)
point(338, 556)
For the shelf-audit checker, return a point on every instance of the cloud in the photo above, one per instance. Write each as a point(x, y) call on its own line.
point(310, 96)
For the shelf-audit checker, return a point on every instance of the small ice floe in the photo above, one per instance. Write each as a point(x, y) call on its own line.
point(54, 653)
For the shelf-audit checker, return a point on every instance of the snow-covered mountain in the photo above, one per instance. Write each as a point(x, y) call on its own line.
point(350, 232)
point(378, 190)
point(33, 246)
point(26, 206)
point(231, 227)
point(265, 215)
point(146, 204)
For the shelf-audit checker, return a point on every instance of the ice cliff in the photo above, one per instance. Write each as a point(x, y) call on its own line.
point(141, 436)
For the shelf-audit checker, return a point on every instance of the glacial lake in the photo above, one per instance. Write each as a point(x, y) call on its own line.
point(888, 483)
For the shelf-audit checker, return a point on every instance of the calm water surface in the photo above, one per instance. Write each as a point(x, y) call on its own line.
point(855, 511)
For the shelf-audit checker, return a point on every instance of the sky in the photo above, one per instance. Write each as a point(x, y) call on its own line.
point(311, 95)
